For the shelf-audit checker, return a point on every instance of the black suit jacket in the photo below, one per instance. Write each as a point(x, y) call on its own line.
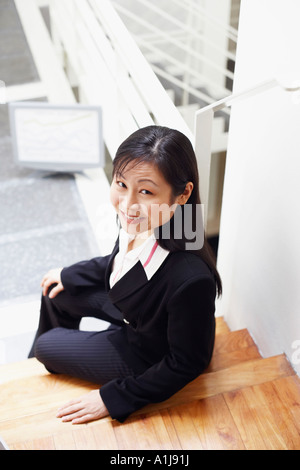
point(169, 329)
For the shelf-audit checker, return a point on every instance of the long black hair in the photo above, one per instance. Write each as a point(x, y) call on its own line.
point(174, 156)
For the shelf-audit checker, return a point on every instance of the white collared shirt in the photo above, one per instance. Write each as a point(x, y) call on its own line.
point(149, 253)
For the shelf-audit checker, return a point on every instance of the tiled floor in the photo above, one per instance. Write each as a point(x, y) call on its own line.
point(43, 223)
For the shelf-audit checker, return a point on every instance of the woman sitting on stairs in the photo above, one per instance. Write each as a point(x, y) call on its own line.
point(157, 289)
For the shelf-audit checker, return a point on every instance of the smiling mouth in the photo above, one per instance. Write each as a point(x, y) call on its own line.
point(132, 218)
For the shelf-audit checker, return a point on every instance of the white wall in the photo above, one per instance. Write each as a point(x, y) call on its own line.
point(259, 251)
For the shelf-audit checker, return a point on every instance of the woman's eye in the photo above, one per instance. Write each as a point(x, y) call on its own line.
point(123, 186)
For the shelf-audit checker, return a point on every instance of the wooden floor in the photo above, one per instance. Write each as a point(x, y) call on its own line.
point(241, 402)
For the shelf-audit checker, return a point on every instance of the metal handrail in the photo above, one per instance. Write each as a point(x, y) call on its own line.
point(103, 53)
point(143, 77)
point(172, 40)
point(231, 32)
point(178, 24)
point(203, 128)
point(181, 66)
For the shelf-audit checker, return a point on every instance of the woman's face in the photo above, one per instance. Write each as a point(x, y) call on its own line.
point(143, 199)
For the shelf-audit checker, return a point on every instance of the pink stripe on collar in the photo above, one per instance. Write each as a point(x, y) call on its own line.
point(151, 254)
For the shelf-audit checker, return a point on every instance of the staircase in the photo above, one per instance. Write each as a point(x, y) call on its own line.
point(241, 402)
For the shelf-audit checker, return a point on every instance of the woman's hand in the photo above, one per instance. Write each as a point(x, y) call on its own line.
point(52, 277)
point(83, 409)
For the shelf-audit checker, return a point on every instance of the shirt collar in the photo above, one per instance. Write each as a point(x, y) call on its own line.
point(140, 252)
point(149, 253)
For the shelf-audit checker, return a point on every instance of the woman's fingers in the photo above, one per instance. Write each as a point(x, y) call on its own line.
point(86, 408)
point(76, 413)
point(69, 407)
point(83, 419)
point(71, 412)
point(46, 284)
point(52, 277)
point(56, 290)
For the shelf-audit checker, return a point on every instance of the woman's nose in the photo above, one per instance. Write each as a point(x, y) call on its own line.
point(132, 208)
point(129, 204)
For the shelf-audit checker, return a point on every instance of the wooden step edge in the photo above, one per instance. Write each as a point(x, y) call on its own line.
point(33, 395)
point(22, 369)
point(233, 341)
point(221, 326)
point(233, 378)
point(231, 358)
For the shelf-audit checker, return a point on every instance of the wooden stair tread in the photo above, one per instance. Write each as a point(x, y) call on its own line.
point(33, 395)
point(208, 413)
point(265, 417)
point(235, 377)
point(36, 413)
point(232, 341)
point(232, 347)
point(223, 361)
point(224, 421)
point(18, 370)
point(221, 326)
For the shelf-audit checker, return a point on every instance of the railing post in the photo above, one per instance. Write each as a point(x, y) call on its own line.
point(203, 130)
point(203, 136)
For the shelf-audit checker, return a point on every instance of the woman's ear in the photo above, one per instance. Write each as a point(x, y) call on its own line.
point(184, 197)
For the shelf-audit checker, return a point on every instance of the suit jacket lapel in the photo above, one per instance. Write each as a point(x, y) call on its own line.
point(129, 283)
point(109, 266)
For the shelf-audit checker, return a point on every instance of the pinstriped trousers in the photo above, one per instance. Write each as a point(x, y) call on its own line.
point(64, 349)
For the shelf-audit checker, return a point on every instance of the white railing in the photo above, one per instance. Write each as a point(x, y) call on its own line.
point(204, 126)
point(178, 46)
point(109, 69)
point(230, 31)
